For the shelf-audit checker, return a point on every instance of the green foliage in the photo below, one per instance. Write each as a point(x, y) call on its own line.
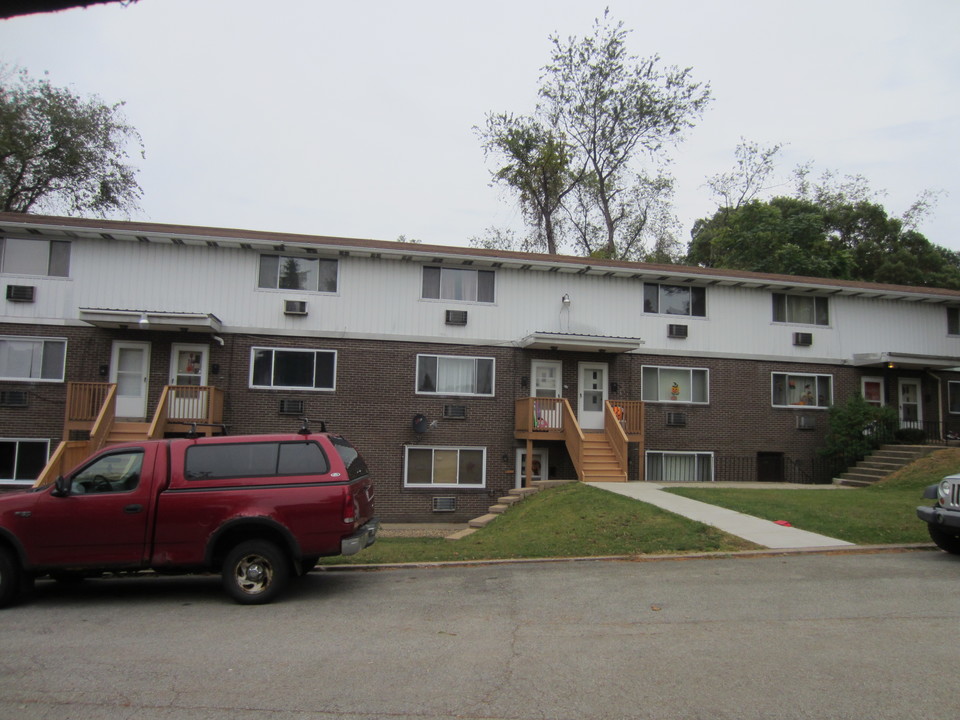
point(63, 153)
point(572, 520)
point(849, 241)
point(882, 513)
point(574, 163)
point(857, 428)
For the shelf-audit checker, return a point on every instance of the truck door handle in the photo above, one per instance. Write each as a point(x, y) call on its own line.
point(133, 509)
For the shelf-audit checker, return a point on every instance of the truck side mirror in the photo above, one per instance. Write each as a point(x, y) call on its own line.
point(61, 487)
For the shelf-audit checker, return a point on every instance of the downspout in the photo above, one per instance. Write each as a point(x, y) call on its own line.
point(940, 420)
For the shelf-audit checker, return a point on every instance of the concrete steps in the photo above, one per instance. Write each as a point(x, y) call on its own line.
point(513, 497)
point(881, 464)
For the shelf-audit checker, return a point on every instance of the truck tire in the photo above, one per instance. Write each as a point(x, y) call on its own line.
point(255, 572)
point(9, 577)
point(945, 538)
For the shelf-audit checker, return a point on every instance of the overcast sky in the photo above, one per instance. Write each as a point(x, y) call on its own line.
point(355, 119)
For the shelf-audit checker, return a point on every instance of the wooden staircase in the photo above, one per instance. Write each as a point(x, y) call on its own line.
point(598, 460)
point(881, 463)
point(127, 431)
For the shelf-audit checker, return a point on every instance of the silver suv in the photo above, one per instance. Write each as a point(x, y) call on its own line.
point(943, 519)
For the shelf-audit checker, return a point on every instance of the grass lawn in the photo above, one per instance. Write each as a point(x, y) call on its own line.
point(883, 513)
point(572, 520)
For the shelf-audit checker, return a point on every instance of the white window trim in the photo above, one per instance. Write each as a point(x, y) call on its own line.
point(689, 315)
point(38, 339)
point(458, 448)
point(331, 293)
point(797, 322)
point(713, 461)
point(253, 352)
point(481, 303)
point(678, 402)
point(493, 379)
point(863, 386)
point(807, 375)
point(45, 441)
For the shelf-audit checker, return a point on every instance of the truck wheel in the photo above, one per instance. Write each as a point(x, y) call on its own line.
point(9, 577)
point(946, 539)
point(255, 572)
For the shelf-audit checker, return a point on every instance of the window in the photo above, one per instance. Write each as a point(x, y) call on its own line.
point(268, 459)
point(953, 321)
point(805, 390)
point(286, 272)
point(116, 472)
point(679, 467)
point(35, 257)
point(674, 300)
point(27, 358)
point(22, 461)
point(455, 284)
point(293, 369)
point(454, 375)
point(800, 309)
point(662, 384)
point(953, 391)
point(446, 467)
point(872, 390)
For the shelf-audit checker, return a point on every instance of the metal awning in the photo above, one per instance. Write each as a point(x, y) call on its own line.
point(579, 343)
point(152, 320)
point(908, 361)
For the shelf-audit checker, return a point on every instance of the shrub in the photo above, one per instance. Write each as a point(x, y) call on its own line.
point(857, 428)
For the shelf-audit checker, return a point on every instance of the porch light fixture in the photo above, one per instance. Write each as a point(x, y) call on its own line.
point(565, 299)
point(143, 320)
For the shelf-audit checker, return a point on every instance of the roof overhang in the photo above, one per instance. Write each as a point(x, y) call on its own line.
point(906, 361)
point(152, 320)
point(579, 343)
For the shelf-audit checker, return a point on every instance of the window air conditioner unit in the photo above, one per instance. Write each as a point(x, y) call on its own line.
point(444, 504)
point(803, 339)
point(13, 398)
point(21, 293)
point(289, 406)
point(806, 422)
point(455, 412)
point(677, 331)
point(456, 317)
point(294, 307)
point(676, 419)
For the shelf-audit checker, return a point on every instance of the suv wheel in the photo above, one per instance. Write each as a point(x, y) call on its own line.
point(255, 572)
point(946, 539)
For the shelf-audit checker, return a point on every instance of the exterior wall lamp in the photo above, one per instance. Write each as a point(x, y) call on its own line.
point(565, 299)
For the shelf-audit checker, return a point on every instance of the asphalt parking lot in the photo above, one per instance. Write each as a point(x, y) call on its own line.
point(819, 635)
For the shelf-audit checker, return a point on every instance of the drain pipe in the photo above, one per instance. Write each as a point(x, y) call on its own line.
point(939, 402)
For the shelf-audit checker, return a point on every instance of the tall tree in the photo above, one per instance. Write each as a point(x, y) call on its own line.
point(535, 162)
point(611, 107)
point(63, 153)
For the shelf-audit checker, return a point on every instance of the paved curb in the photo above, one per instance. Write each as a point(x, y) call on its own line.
point(741, 554)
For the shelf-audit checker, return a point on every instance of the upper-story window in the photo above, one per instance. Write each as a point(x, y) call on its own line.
point(456, 284)
point(675, 299)
point(454, 375)
point(801, 309)
point(35, 257)
point(292, 369)
point(30, 358)
point(802, 390)
point(953, 321)
point(288, 272)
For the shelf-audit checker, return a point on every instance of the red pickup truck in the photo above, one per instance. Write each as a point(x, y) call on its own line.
point(258, 509)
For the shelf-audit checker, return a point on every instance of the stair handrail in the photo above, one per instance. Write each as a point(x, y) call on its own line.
point(573, 437)
point(159, 423)
point(103, 423)
point(616, 436)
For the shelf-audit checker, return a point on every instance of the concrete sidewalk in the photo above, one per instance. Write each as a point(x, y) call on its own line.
point(762, 532)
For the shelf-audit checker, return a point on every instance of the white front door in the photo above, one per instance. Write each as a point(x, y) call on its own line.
point(592, 395)
point(911, 412)
point(540, 459)
point(188, 368)
point(130, 370)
